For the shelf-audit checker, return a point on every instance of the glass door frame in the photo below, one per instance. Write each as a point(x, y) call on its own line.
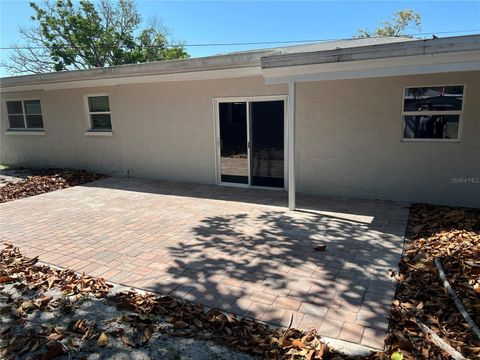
point(248, 100)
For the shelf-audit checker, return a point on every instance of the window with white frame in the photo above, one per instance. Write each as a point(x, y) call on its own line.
point(99, 113)
point(24, 114)
point(432, 113)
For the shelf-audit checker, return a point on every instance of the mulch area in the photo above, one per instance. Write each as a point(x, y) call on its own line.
point(45, 180)
point(453, 236)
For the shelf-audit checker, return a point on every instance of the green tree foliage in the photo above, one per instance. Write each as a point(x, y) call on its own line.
point(89, 35)
point(397, 26)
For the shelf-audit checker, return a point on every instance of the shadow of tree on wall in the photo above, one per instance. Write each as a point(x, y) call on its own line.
point(264, 265)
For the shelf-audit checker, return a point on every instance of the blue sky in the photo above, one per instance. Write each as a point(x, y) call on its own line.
point(250, 21)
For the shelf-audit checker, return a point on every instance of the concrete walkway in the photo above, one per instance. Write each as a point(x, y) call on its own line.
point(236, 249)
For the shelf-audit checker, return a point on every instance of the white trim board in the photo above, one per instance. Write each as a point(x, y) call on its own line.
point(291, 145)
point(25, 132)
point(185, 76)
point(411, 65)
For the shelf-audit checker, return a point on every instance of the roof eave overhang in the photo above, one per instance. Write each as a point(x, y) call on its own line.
point(393, 59)
point(204, 68)
point(138, 79)
point(406, 58)
point(380, 67)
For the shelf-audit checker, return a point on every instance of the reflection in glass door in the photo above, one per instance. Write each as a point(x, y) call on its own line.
point(267, 144)
point(233, 142)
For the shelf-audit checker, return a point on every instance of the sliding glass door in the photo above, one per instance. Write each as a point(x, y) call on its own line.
point(251, 143)
point(233, 142)
point(267, 144)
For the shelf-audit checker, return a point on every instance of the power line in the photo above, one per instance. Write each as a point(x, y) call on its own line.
point(250, 43)
point(317, 40)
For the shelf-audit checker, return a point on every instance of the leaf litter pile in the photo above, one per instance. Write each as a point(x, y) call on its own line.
point(43, 181)
point(453, 236)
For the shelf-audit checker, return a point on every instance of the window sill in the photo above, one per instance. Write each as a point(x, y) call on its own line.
point(420, 140)
point(25, 132)
point(99, 133)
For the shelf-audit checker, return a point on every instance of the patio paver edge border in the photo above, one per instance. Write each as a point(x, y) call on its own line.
point(342, 346)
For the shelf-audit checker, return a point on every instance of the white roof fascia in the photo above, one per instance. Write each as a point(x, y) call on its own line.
point(461, 53)
point(370, 52)
point(139, 79)
point(384, 67)
point(212, 67)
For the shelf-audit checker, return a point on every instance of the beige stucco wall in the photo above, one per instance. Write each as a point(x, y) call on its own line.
point(349, 142)
point(160, 130)
point(348, 136)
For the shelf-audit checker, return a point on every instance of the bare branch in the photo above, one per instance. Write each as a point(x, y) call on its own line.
point(31, 58)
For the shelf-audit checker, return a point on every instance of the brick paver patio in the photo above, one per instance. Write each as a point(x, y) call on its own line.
point(235, 249)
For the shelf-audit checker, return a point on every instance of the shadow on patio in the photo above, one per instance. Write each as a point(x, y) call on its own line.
point(264, 265)
point(239, 250)
point(360, 210)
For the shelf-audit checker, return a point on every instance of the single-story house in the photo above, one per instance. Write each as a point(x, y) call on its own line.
point(381, 118)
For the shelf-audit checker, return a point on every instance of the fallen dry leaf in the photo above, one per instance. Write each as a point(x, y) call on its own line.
point(55, 336)
point(43, 301)
point(44, 181)
point(298, 343)
point(127, 340)
point(6, 279)
point(147, 334)
point(180, 324)
point(320, 248)
point(102, 340)
point(54, 349)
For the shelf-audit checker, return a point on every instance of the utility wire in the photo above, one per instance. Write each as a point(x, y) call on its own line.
point(249, 43)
